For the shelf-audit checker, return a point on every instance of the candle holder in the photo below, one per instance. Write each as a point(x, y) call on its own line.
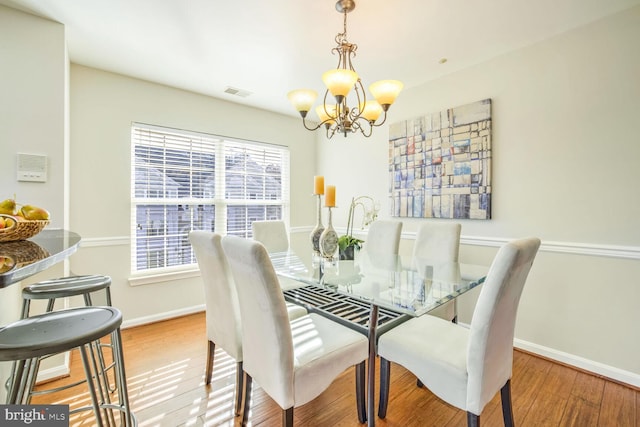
point(329, 239)
point(317, 231)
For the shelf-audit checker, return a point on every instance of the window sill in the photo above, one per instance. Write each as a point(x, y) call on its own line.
point(166, 276)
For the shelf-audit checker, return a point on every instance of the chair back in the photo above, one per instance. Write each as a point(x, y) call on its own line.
point(266, 333)
point(437, 241)
point(490, 352)
point(222, 308)
point(272, 234)
point(383, 237)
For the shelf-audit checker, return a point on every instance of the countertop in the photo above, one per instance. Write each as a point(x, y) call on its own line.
point(24, 258)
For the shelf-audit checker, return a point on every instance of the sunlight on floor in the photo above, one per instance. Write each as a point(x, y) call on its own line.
point(170, 386)
point(163, 385)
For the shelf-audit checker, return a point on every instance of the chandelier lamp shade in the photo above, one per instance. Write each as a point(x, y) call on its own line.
point(342, 83)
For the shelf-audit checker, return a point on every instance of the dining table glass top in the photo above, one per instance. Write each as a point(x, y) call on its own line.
point(408, 285)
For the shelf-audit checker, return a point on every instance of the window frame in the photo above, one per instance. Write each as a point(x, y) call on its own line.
point(220, 147)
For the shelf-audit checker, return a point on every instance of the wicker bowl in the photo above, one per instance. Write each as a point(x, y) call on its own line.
point(21, 230)
point(21, 253)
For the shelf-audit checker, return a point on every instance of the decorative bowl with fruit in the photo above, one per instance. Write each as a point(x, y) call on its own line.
point(21, 224)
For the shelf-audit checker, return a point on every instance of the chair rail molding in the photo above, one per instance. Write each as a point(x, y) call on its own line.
point(576, 248)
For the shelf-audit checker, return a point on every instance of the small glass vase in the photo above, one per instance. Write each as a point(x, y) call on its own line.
point(317, 231)
point(329, 240)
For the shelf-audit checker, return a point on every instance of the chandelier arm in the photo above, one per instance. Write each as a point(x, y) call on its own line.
point(326, 110)
point(333, 131)
point(361, 97)
point(304, 122)
point(359, 125)
point(384, 119)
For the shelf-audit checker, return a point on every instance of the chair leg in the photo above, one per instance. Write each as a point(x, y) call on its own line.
point(361, 401)
point(507, 408)
point(385, 380)
point(419, 383)
point(455, 311)
point(211, 349)
point(473, 420)
point(247, 399)
point(287, 417)
point(239, 387)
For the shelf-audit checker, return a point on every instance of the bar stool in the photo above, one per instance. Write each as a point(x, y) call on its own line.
point(65, 287)
point(27, 340)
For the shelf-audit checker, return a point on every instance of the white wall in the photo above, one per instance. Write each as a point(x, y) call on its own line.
point(33, 116)
point(566, 168)
point(103, 106)
point(32, 107)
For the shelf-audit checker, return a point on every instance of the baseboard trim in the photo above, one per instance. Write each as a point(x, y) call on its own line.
point(597, 368)
point(55, 372)
point(139, 321)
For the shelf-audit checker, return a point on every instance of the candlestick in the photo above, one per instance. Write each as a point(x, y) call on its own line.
point(330, 197)
point(318, 185)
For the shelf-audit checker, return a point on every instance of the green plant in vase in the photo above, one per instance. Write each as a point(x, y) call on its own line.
point(347, 243)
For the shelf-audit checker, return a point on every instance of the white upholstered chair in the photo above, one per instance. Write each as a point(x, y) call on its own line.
point(466, 367)
point(383, 237)
point(222, 308)
point(272, 234)
point(439, 241)
point(293, 361)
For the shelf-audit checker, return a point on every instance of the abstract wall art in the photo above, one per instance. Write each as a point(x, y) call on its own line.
point(440, 164)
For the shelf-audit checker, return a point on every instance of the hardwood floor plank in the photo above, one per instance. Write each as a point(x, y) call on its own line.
point(637, 408)
point(526, 389)
point(589, 388)
point(618, 406)
point(550, 403)
point(165, 364)
point(579, 413)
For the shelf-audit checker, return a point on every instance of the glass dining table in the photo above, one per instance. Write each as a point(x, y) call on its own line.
point(374, 292)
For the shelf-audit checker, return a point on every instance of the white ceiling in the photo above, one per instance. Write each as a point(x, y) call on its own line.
point(269, 47)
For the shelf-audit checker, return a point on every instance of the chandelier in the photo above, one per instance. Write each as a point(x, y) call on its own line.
point(334, 113)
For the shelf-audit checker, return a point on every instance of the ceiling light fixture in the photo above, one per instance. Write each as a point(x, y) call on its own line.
point(339, 117)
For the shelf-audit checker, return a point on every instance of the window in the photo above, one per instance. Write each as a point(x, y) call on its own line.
point(185, 181)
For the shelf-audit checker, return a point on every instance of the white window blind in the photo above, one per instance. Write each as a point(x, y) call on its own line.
point(185, 181)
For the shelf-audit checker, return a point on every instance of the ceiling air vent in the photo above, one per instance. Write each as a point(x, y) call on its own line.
point(237, 92)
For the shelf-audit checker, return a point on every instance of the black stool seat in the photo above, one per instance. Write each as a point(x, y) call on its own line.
point(56, 332)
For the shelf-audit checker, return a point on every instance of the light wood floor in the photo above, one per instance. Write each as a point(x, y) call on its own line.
point(165, 369)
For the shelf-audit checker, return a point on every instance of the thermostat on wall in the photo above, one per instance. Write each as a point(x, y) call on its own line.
point(32, 167)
